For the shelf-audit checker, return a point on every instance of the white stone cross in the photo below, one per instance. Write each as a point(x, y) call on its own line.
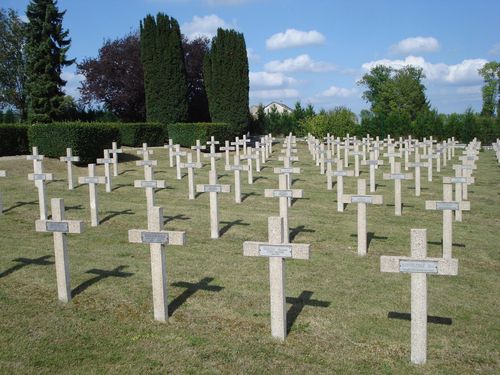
point(198, 149)
point(157, 240)
point(362, 199)
point(170, 146)
point(373, 163)
point(245, 141)
point(150, 184)
point(92, 180)
point(419, 266)
point(329, 161)
point(391, 154)
point(285, 194)
point(417, 165)
point(346, 148)
point(236, 168)
point(397, 176)
point(340, 174)
point(107, 172)
point(60, 227)
point(213, 188)
point(249, 157)
point(459, 180)
point(447, 205)
point(356, 153)
point(146, 163)
point(39, 177)
point(69, 159)
point(237, 143)
point(2, 174)
point(429, 156)
point(212, 142)
point(114, 151)
point(190, 166)
point(277, 250)
point(466, 172)
point(226, 148)
point(257, 154)
point(178, 153)
point(213, 157)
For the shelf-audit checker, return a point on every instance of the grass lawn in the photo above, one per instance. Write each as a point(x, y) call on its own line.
point(339, 304)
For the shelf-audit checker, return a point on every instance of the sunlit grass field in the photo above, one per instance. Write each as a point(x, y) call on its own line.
point(341, 307)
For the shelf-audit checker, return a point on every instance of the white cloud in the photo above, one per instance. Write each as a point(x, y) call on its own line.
point(274, 94)
point(265, 79)
point(465, 71)
point(294, 38)
point(416, 44)
point(469, 90)
point(338, 92)
point(495, 50)
point(301, 63)
point(252, 56)
point(205, 26)
point(72, 83)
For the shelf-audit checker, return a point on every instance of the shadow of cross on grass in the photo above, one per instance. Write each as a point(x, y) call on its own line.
point(20, 204)
point(298, 305)
point(42, 261)
point(101, 275)
point(300, 229)
point(168, 219)
point(430, 319)
point(229, 224)
point(191, 288)
point(113, 214)
point(369, 237)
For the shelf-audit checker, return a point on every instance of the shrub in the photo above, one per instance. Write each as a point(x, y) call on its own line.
point(186, 134)
point(337, 122)
point(135, 134)
point(87, 140)
point(14, 140)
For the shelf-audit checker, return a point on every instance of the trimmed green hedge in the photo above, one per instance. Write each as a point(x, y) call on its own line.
point(186, 134)
point(88, 140)
point(14, 140)
point(135, 134)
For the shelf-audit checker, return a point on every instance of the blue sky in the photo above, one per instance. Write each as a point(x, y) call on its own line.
point(315, 51)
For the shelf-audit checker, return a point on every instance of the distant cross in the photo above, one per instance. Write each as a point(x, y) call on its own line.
point(466, 172)
point(237, 143)
point(69, 159)
point(459, 181)
point(346, 148)
point(198, 149)
point(373, 162)
point(157, 239)
point(59, 227)
point(212, 143)
point(329, 161)
point(419, 266)
point(249, 157)
point(190, 167)
point(150, 184)
point(362, 199)
point(429, 156)
point(226, 148)
point(39, 177)
point(356, 153)
point(213, 189)
point(245, 141)
point(277, 251)
point(92, 180)
point(417, 165)
point(2, 174)
point(391, 154)
point(114, 151)
point(397, 176)
point(213, 156)
point(170, 146)
point(178, 153)
point(107, 172)
point(236, 168)
point(257, 158)
point(340, 174)
point(447, 205)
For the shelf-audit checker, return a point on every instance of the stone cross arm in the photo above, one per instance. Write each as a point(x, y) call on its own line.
point(277, 193)
point(369, 199)
point(213, 155)
point(458, 180)
point(159, 237)
point(149, 152)
point(435, 266)
point(447, 205)
point(69, 158)
point(286, 170)
point(191, 165)
point(240, 167)
point(104, 161)
point(468, 167)
point(64, 226)
point(342, 173)
point(398, 176)
point(92, 180)
point(149, 163)
point(263, 249)
point(213, 188)
point(418, 165)
point(192, 147)
point(40, 176)
point(291, 158)
point(289, 150)
point(155, 184)
point(372, 162)
point(34, 157)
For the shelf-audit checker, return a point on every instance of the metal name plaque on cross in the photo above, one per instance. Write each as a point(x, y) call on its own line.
point(148, 184)
point(447, 206)
point(91, 180)
point(212, 188)
point(418, 266)
point(372, 162)
point(340, 173)
point(147, 163)
point(361, 199)
point(105, 161)
point(237, 167)
point(38, 177)
point(190, 165)
point(282, 251)
point(397, 176)
point(286, 170)
point(154, 237)
point(282, 193)
point(459, 180)
point(54, 226)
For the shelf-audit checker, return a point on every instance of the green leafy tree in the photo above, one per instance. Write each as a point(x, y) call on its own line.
point(47, 46)
point(12, 61)
point(226, 79)
point(491, 88)
point(165, 84)
point(339, 121)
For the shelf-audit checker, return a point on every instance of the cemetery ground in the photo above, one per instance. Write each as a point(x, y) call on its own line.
point(345, 316)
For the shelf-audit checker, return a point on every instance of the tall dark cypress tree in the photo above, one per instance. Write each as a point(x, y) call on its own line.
point(226, 79)
point(165, 81)
point(47, 45)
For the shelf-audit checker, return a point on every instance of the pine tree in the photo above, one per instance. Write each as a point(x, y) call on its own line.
point(226, 79)
point(165, 81)
point(47, 46)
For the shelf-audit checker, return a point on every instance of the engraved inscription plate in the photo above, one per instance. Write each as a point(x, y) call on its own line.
point(471, 158)
point(54, 226)
point(190, 165)
point(340, 173)
point(237, 167)
point(148, 163)
point(372, 162)
point(105, 161)
point(212, 188)
point(446, 205)
point(148, 184)
point(91, 180)
point(418, 266)
point(286, 170)
point(397, 176)
point(154, 237)
point(275, 251)
point(282, 193)
point(38, 177)
point(361, 199)
point(459, 180)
